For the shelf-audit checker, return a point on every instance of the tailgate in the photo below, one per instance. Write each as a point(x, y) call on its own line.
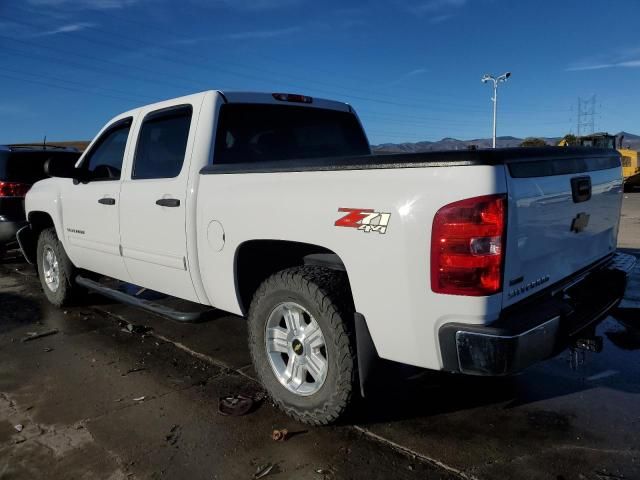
point(563, 215)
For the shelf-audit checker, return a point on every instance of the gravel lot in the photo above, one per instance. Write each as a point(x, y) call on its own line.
point(76, 397)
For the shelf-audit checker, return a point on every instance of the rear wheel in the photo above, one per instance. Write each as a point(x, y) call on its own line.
point(55, 270)
point(301, 343)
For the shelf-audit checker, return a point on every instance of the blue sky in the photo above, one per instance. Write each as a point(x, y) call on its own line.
point(411, 68)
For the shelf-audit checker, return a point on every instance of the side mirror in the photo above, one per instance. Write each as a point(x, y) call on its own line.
point(62, 167)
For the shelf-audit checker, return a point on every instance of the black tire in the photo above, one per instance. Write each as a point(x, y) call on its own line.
point(325, 294)
point(66, 291)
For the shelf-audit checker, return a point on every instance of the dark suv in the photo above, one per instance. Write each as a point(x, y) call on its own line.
point(20, 167)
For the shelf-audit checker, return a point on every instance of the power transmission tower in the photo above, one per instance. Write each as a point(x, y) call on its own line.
point(586, 115)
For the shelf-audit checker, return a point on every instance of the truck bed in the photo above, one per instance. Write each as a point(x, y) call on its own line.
point(534, 160)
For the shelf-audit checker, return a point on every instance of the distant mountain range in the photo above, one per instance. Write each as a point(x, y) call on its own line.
point(630, 141)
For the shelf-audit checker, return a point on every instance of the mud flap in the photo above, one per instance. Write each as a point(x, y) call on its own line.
point(28, 243)
point(366, 351)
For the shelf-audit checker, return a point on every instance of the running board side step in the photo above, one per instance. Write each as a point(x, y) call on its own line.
point(178, 316)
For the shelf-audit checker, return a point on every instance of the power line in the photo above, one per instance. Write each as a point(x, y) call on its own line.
point(91, 69)
point(156, 73)
point(431, 106)
point(289, 62)
point(123, 94)
point(62, 87)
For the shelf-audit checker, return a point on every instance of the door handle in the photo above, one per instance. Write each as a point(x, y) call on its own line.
point(168, 202)
point(107, 201)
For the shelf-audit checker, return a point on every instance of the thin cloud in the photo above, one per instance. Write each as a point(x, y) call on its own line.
point(440, 18)
point(417, 71)
point(249, 5)
point(188, 41)
point(413, 73)
point(594, 65)
point(261, 34)
point(83, 4)
point(435, 6)
point(14, 110)
point(73, 27)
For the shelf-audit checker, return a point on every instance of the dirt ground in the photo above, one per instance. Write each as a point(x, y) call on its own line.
point(98, 401)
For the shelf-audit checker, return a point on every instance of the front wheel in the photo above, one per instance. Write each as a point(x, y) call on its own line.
point(301, 344)
point(55, 270)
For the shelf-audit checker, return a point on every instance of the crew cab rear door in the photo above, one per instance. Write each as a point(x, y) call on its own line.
point(563, 216)
point(153, 202)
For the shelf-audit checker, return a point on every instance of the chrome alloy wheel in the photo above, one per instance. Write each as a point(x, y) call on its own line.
point(50, 268)
point(296, 349)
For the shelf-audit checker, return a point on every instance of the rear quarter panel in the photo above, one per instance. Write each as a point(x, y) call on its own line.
point(388, 273)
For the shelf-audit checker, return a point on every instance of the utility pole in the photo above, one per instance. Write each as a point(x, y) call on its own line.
point(586, 115)
point(496, 80)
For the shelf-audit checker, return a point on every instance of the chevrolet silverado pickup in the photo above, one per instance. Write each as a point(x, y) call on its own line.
point(272, 207)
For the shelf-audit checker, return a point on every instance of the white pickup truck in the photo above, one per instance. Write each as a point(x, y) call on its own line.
point(272, 207)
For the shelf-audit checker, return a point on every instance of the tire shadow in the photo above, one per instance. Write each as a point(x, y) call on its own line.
point(17, 311)
point(399, 392)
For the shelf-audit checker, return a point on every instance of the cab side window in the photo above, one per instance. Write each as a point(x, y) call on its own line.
point(162, 144)
point(104, 161)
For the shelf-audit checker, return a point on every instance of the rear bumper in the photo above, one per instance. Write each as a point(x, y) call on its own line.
point(539, 329)
point(8, 230)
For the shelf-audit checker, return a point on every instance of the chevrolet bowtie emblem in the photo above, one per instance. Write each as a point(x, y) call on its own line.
point(580, 222)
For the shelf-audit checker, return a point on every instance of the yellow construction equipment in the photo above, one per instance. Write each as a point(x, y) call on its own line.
point(630, 160)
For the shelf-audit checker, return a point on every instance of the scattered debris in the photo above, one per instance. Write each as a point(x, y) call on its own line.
point(174, 435)
point(133, 328)
point(19, 427)
point(235, 405)
point(263, 471)
point(280, 435)
point(34, 335)
point(324, 472)
point(139, 399)
point(133, 370)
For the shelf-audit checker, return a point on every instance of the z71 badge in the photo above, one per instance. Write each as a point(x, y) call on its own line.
point(364, 219)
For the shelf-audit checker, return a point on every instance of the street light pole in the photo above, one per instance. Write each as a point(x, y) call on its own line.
point(496, 80)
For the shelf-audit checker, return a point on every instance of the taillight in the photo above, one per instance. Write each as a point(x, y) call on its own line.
point(467, 246)
point(13, 189)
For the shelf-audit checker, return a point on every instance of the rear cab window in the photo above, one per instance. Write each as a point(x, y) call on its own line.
point(266, 133)
point(162, 143)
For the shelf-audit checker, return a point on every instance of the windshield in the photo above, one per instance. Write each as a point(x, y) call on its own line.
point(263, 133)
